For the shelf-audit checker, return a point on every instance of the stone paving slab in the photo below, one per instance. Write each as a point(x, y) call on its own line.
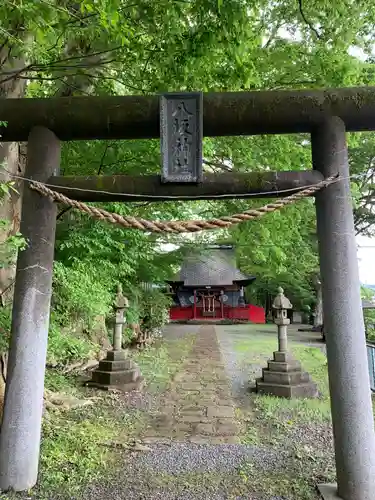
point(199, 407)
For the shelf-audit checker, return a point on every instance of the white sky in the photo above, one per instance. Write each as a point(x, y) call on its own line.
point(366, 260)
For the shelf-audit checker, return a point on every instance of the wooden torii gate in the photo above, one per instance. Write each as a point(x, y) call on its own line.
point(326, 115)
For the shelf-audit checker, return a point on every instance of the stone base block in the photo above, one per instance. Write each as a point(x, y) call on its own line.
point(116, 355)
point(132, 386)
point(282, 357)
point(289, 377)
point(284, 366)
point(303, 390)
point(328, 491)
point(116, 371)
point(115, 366)
point(116, 378)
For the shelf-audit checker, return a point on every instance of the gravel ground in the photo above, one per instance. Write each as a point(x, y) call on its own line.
point(177, 461)
point(188, 457)
point(143, 492)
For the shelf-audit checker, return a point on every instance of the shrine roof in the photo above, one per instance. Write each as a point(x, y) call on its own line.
point(215, 266)
point(368, 304)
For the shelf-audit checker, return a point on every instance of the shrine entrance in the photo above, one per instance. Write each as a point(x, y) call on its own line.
point(180, 120)
point(209, 304)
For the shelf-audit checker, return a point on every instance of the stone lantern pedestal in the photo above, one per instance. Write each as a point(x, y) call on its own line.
point(284, 376)
point(117, 371)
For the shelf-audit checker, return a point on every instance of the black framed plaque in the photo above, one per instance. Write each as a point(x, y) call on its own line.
point(181, 136)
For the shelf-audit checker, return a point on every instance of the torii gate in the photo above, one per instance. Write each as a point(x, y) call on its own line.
point(326, 115)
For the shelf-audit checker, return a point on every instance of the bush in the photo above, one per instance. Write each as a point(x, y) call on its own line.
point(5, 324)
point(79, 293)
point(64, 348)
point(369, 317)
point(155, 309)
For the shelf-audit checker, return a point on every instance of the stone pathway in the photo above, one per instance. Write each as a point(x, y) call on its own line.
point(199, 407)
point(193, 446)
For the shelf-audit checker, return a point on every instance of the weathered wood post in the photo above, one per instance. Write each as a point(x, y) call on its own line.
point(352, 418)
point(22, 417)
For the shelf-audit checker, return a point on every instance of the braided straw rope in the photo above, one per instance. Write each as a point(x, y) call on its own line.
point(187, 226)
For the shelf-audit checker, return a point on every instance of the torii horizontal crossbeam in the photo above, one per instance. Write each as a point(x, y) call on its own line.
point(149, 187)
point(225, 114)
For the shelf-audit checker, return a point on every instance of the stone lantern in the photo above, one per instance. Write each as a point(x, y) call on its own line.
point(284, 376)
point(117, 370)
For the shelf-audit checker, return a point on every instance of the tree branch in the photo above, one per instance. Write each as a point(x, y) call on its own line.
point(307, 21)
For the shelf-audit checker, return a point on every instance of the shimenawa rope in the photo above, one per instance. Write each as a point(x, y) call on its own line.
point(187, 226)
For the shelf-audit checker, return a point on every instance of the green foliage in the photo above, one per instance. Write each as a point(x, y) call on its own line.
point(124, 47)
point(57, 381)
point(79, 293)
point(9, 245)
point(5, 324)
point(369, 318)
point(65, 347)
point(155, 309)
point(76, 444)
point(70, 459)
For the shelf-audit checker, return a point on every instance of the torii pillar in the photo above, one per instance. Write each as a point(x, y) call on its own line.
point(22, 417)
point(351, 407)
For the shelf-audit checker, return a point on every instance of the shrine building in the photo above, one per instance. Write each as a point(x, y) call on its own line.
point(210, 287)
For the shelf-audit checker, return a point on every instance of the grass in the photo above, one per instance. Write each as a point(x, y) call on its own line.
point(302, 410)
point(57, 381)
point(257, 349)
point(248, 479)
point(275, 422)
point(159, 365)
point(74, 446)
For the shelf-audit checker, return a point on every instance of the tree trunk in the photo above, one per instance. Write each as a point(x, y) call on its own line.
point(12, 163)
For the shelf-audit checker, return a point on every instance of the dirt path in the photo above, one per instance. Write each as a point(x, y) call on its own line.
point(199, 407)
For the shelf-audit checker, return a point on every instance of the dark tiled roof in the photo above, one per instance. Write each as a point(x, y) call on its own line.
point(212, 267)
point(367, 304)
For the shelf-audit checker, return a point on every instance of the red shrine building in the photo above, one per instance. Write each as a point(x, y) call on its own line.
point(210, 287)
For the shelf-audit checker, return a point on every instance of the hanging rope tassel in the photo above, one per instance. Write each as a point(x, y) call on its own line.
point(187, 226)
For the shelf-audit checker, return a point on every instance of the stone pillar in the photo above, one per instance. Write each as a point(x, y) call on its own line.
point(120, 305)
point(352, 417)
point(22, 418)
point(117, 334)
point(282, 337)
